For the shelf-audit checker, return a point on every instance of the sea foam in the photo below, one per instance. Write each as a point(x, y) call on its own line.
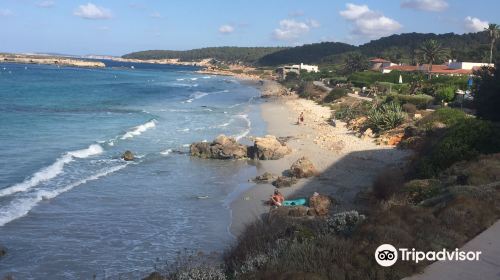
point(20, 207)
point(52, 170)
point(138, 130)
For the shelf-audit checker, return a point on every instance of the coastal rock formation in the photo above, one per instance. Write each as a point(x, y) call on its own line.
point(268, 148)
point(272, 89)
point(284, 181)
point(303, 168)
point(222, 147)
point(128, 156)
point(320, 203)
point(267, 177)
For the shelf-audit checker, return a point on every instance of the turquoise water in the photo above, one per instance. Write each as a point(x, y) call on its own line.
point(71, 208)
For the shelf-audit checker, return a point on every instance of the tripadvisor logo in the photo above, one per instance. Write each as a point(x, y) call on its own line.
point(387, 255)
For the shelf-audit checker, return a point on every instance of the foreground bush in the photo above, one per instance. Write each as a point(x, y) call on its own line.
point(345, 112)
point(386, 116)
point(464, 140)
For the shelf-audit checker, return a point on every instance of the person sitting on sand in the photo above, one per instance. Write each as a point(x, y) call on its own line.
point(301, 118)
point(277, 198)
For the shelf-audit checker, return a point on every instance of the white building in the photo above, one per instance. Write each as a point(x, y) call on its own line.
point(282, 71)
point(454, 64)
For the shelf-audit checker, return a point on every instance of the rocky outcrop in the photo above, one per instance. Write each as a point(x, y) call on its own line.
point(268, 148)
point(303, 168)
point(128, 156)
point(284, 181)
point(222, 147)
point(267, 177)
point(320, 203)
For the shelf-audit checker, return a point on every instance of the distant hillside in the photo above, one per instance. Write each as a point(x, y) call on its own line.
point(401, 48)
point(248, 55)
point(397, 48)
point(311, 53)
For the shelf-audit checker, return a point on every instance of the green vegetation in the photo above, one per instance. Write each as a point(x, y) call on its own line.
point(355, 62)
point(445, 94)
point(463, 140)
point(246, 55)
point(386, 116)
point(487, 99)
point(335, 94)
point(494, 32)
point(312, 53)
point(422, 101)
point(446, 116)
point(401, 48)
point(433, 52)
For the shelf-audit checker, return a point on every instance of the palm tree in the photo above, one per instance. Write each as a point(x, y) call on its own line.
point(494, 31)
point(432, 51)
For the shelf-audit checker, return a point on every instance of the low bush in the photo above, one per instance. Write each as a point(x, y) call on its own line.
point(345, 222)
point(422, 101)
point(447, 116)
point(346, 112)
point(409, 108)
point(462, 141)
point(386, 116)
point(420, 190)
point(387, 184)
point(335, 94)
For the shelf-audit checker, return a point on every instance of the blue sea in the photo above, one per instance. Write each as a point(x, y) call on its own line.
point(71, 208)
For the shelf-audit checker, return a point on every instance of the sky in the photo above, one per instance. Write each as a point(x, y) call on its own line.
point(117, 27)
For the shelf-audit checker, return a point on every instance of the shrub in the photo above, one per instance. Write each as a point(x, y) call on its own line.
point(462, 141)
point(445, 94)
point(335, 94)
point(410, 108)
point(487, 98)
point(401, 88)
point(344, 222)
point(420, 190)
point(385, 117)
point(387, 184)
point(350, 112)
point(422, 101)
point(447, 116)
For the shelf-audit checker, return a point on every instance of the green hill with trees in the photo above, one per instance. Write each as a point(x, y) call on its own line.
point(247, 55)
point(399, 48)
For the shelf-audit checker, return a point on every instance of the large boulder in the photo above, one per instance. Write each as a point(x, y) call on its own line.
point(128, 156)
point(222, 147)
point(269, 148)
point(303, 168)
point(267, 177)
point(320, 203)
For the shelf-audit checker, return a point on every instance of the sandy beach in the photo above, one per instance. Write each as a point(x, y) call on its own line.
point(347, 164)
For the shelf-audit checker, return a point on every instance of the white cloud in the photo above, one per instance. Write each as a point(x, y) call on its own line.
point(91, 11)
point(226, 29)
point(6, 13)
point(156, 15)
point(426, 5)
point(46, 4)
point(368, 23)
point(291, 29)
point(474, 24)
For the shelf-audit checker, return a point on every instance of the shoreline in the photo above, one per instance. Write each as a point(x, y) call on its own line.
point(347, 164)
